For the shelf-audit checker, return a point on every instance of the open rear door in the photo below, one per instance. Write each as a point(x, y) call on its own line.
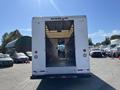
point(60, 44)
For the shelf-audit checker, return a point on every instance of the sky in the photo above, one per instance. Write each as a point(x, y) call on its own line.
point(103, 16)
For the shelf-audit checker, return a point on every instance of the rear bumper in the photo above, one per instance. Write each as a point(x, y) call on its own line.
point(86, 75)
point(21, 60)
point(6, 64)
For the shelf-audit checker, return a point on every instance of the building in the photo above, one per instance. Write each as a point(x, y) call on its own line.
point(22, 44)
point(115, 42)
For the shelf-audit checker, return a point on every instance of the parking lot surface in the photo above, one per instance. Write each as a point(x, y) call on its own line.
point(105, 76)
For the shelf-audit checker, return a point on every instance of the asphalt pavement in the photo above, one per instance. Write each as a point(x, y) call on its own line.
point(105, 76)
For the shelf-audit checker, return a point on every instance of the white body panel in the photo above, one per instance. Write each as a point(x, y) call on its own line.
point(38, 47)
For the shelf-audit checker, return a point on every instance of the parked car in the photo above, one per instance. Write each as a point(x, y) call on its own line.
point(20, 58)
point(104, 53)
point(115, 52)
point(118, 49)
point(5, 60)
point(92, 50)
point(107, 51)
point(97, 54)
point(29, 54)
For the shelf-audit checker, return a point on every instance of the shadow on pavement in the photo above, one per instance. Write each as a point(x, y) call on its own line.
point(91, 83)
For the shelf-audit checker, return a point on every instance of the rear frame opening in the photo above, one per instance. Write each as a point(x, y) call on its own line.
point(60, 43)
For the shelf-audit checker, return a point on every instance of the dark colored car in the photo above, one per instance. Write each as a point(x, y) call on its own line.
point(29, 54)
point(5, 60)
point(97, 54)
point(20, 58)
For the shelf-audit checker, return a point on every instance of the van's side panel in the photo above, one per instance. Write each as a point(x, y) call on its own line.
point(81, 45)
point(38, 46)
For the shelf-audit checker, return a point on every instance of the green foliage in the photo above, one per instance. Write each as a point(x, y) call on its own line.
point(0, 49)
point(115, 37)
point(98, 44)
point(90, 42)
point(6, 38)
point(106, 41)
point(14, 35)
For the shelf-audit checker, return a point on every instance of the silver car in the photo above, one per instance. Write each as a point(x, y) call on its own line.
point(20, 58)
point(5, 60)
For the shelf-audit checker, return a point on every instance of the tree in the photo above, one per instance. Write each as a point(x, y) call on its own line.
point(6, 38)
point(15, 35)
point(4, 42)
point(98, 44)
point(115, 37)
point(106, 41)
point(0, 49)
point(90, 42)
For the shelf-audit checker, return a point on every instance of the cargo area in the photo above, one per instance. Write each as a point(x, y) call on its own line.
point(60, 43)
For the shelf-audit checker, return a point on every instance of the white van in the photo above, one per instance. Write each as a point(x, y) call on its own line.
point(60, 47)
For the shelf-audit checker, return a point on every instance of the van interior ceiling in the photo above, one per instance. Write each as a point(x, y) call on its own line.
point(60, 43)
